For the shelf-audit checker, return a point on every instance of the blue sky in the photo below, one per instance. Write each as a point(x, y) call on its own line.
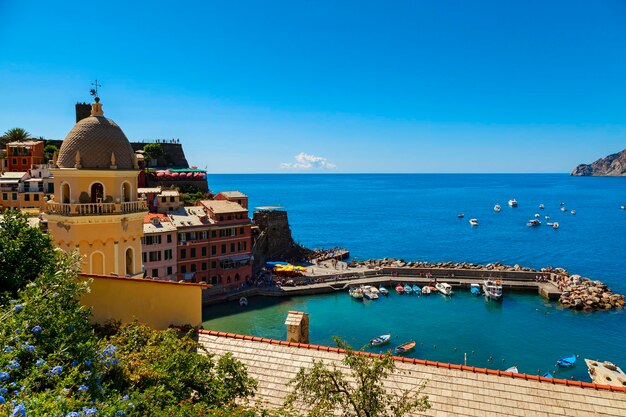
point(269, 86)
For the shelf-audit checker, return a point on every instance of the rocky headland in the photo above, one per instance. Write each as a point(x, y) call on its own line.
point(612, 165)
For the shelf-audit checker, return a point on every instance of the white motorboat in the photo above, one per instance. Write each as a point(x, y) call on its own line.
point(573, 211)
point(512, 369)
point(383, 290)
point(370, 288)
point(460, 215)
point(473, 222)
point(425, 290)
point(444, 288)
point(555, 225)
point(563, 209)
point(550, 224)
point(356, 293)
point(541, 206)
point(533, 223)
point(497, 207)
point(513, 202)
point(537, 215)
point(493, 289)
point(623, 207)
point(547, 217)
point(562, 203)
point(369, 294)
point(243, 301)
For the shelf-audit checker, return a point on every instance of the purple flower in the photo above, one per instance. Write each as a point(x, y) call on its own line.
point(74, 362)
point(40, 362)
point(18, 331)
point(14, 364)
point(56, 370)
point(19, 411)
point(29, 348)
point(73, 414)
point(18, 307)
point(3, 391)
point(120, 413)
point(90, 411)
point(2, 400)
point(83, 388)
point(125, 397)
point(36, 330)
point(109, 350)
point(7, 349)
point(88, 362)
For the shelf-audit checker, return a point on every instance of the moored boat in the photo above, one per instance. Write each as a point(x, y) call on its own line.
point(356, 293)
point(537, 215)
point(383, 339)
point(573, 211)
point(369, 294)
point(383, 290)
point(404, 348)
point(566, 361)
point(425, 290)
point(416, 289)
point(513, 202)
point(541, 206)
point(460, 215)
point(497, 208)
point(473, 222)
point(547, 217)
point(444, 288)
point(493, 289)
point(243, 301)
point(563, 209)
point(408, 289)
point(533, 223)
point(547, 375)
point(475, 289)
point(512, 369)
point(399, 288)
point(555, 225)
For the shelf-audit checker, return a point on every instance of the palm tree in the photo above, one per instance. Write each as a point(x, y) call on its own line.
point(17, 134)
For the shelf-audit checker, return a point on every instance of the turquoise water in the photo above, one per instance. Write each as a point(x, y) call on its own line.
point(414, 217)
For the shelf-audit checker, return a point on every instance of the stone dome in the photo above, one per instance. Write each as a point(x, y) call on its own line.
point(96, 138)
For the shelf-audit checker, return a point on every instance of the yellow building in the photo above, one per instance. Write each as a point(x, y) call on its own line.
point(95, 208)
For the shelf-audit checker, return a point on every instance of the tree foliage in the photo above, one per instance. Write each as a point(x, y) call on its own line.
point(153, 151)
point(358, 393)
point(48, 152)
point(16, 134)
point(25, 252)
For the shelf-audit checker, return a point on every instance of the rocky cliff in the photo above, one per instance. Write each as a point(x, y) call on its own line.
point(274, 242)
point(612, 165)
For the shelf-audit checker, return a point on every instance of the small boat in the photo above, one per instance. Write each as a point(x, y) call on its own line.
point(370, 295)
point(537, 215)
point(356, 293)
point(563, 209)
point(550, 224)
point(497, 208)
point(555, 225)
point(623, 207)
point(533, 223)
point(383, 290)
point(473, 222)
point(573, 211)
point(425, 290)
point(370, 288)
point(416, 289)
point(512, 369)
point(547, 375)
point(541, 206)
point(475, 289)
point(460, 215)
point(383, 339)
point(444, 288)
point(513, 202)
point(399, 289)
point(562, 203)
point(566, 361)
point(433, 288)
point(547, 217)
point(404, 348)
point(243, 301)
point(408, 289)
point(493, 289)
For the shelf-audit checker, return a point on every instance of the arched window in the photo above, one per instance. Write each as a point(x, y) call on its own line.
point(65, 193)
point(97, 263)
point(129, 261)
point(126, 192)
point(97, 192)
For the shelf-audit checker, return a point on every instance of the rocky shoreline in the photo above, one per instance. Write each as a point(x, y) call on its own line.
point(578, 293)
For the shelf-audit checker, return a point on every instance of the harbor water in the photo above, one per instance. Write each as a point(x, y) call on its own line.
point(414, 217)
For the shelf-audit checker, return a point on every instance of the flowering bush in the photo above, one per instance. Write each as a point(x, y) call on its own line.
point(53, 362)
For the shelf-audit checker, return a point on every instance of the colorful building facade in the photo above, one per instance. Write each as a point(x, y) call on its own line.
point(159, 247)
point(21, 156)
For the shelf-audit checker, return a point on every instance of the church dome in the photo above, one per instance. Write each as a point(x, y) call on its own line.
point(96, 142)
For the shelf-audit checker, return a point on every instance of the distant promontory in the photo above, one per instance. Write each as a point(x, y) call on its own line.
point(612, 165)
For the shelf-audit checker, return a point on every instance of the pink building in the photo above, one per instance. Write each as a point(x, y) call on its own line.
point(159, 247)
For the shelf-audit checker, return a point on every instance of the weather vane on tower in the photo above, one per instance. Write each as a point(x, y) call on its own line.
point(94, 91)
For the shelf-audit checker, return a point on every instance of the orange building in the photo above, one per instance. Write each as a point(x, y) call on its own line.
point(21, 156)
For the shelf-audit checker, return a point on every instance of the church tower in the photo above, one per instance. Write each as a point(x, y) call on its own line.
point(96, 209)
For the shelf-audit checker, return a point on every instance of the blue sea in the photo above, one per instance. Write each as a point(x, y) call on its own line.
point(414, 217)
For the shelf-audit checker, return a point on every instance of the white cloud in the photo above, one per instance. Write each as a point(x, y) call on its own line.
point(308, 161)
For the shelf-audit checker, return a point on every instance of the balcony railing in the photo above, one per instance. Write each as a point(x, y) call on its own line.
point(90, 209)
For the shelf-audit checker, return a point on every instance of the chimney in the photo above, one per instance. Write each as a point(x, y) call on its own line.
point(83, 110)
point(297, 327)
